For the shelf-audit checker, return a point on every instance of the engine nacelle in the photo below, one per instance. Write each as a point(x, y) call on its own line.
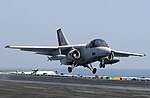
point(111, 56)
point(74, 54)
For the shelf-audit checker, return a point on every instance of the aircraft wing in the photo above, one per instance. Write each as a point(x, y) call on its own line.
point(46, 50)
point(126, 54)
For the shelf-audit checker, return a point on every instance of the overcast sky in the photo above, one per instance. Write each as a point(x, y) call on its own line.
point(123, 24)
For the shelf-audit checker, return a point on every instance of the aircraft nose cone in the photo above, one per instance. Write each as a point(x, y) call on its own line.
point(108, 51)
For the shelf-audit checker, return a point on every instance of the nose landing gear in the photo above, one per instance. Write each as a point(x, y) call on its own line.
point(102, 64)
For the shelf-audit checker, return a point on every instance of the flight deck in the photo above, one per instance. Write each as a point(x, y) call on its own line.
point(32, 86)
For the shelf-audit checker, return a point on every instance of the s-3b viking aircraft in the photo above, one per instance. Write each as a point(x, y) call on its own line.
point(80, 54)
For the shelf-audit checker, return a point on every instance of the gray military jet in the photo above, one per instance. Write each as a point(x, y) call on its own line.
point(80, 54)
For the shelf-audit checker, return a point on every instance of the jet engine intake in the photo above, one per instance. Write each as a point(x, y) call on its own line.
point(111, 56)
point(74, 54)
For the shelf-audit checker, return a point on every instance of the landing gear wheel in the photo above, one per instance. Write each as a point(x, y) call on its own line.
point(94, 70)
point(102, 65)
point(69, 69)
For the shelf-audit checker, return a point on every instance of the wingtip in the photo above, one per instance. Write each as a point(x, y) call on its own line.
point(7, 46)
point(143, 55)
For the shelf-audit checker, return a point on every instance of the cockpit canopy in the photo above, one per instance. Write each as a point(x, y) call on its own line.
point(97, 43)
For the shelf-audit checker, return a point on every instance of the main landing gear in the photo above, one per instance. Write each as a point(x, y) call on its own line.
point(72, 66)
point(91, 68)
point(94, 70)
point(88, 66)
point(69, 69)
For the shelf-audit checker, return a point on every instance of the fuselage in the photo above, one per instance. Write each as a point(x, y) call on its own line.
point(78, 55)
point(94, 51)
point(90, 55)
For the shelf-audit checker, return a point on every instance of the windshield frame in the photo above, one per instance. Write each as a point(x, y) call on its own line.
point(97, 43)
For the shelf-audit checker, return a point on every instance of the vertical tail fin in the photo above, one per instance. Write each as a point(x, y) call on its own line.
point(62, 40)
